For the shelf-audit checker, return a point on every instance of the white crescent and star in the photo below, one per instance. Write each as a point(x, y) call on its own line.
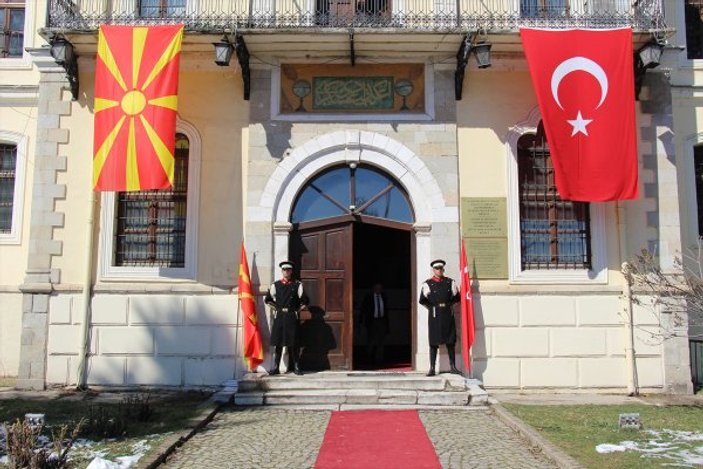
point(579, 64)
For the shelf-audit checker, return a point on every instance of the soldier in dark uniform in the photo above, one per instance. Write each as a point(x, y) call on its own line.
point(286, 298)
point(438, 294)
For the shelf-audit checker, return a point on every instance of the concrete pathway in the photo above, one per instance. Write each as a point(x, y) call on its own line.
point(272, 437)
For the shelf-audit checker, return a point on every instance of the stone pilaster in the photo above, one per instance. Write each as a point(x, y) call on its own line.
point(655, 100)
point(40, 276)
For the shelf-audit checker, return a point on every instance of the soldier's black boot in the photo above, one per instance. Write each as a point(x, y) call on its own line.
point(452, 361)
point(276, 360)
point(433, 359)
point(296, 360)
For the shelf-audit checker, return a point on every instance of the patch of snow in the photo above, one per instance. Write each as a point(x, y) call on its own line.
point(677, 448)
point(139, 449)
point(606, 448)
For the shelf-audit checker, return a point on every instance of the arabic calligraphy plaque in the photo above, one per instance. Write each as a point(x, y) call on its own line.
point(352, 93)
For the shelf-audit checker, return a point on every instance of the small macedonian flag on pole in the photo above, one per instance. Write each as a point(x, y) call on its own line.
point(136, 98)
point(253, 347)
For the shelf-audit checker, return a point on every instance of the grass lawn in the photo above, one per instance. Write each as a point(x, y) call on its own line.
point(7, 381)
point(578, 429)
point(170, 414)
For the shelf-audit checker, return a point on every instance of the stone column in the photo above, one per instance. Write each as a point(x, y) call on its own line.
point(40, 277)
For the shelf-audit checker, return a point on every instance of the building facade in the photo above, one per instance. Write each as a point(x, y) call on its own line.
point(360, 141)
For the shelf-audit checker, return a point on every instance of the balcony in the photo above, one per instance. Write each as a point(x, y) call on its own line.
point(437, 16)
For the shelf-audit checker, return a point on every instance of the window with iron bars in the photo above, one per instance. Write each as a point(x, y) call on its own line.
point(544, 8)
point(698, 165)
point(161, 8)
point(8, 166)
point(151, 225)
point(694, 28)
point(554, 233)
point(12, 34)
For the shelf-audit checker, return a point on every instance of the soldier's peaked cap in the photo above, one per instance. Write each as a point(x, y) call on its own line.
point(286, 265)
point(437, 263)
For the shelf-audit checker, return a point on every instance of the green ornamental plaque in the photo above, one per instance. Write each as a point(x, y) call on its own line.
point(352, 93)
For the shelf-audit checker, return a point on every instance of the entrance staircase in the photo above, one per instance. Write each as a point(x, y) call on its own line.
point(360, 388)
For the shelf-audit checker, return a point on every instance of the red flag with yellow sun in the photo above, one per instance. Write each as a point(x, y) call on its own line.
point(136, 98)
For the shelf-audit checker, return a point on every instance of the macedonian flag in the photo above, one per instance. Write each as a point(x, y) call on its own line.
point(253, 347)
point(136, 97)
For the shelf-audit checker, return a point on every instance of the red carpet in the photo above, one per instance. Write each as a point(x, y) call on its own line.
point(375, 439)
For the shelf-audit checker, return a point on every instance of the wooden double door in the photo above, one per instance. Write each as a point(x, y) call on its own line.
point(324, 252)
point(324, 256)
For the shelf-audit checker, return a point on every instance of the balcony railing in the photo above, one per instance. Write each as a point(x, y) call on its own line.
point(428, 15)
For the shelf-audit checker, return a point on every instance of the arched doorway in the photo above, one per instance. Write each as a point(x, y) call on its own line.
point(352, 229)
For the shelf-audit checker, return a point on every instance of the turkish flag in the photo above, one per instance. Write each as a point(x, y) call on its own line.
point(584, 82)
point(468, 326)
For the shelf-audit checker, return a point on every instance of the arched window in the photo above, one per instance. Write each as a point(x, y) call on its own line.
point(8, 166)
point(13, 156)
point(554, 233)
point(153, 234)
point(698, 168)
point(151, 225)
point(344, 190)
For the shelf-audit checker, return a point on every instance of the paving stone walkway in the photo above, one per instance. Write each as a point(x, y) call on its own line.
point(262, 438)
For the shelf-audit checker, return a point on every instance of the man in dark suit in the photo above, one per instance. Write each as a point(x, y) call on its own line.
point(374, 315)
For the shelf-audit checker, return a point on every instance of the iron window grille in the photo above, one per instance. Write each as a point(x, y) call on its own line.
point(554, 233)
point(12, 22)
point(8, 166)
point(151, 225)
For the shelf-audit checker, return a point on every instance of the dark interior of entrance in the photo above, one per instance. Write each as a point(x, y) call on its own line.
point(382, 255)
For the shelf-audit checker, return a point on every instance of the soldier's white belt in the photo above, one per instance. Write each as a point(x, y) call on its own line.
point(441, 305)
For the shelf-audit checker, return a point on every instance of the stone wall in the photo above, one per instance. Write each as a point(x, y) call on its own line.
point(569, 340)
point(168, 339)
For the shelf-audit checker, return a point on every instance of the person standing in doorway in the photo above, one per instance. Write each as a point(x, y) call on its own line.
point(438, 294)
point(286, 298)
point(374, 315)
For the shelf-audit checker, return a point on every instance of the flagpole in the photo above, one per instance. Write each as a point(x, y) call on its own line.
point(86, 295)
point(236, 334)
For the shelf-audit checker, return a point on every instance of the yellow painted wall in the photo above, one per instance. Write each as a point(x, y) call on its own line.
point(212, 102)
point(492, 102)
point(13, 258)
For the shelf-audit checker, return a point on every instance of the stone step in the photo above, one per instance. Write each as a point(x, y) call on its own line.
point(352, 380)
point(328, 396)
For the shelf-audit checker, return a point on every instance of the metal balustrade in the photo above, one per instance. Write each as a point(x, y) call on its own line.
point(422, 15)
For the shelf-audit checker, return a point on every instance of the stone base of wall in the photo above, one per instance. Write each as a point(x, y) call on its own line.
point(10, 333)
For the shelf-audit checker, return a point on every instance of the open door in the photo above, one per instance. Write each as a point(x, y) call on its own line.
point(324, 256)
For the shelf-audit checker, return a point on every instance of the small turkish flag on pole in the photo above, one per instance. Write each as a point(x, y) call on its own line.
point(467, 311)
point(584, 82)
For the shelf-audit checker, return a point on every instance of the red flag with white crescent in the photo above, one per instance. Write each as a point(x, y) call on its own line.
point(584, 82)
point(468, 326)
